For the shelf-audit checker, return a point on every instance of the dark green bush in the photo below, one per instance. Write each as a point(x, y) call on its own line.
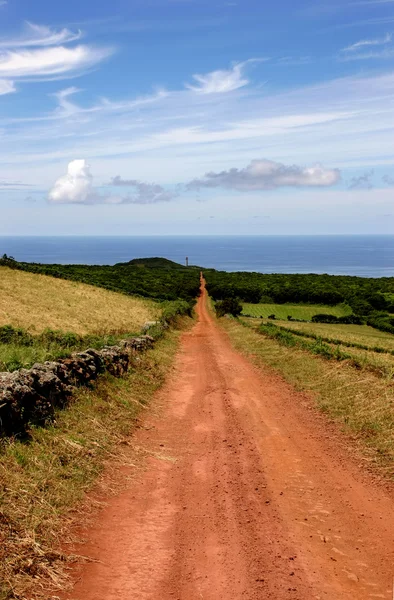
point(228, 306)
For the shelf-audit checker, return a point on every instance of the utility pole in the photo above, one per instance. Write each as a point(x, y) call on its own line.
point(187, 261)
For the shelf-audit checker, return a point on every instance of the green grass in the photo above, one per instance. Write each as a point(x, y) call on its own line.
point(297, 311)
point(43, 480)
point(381, 364)
point(16, 356)
point(352, 334)
point(359, 400)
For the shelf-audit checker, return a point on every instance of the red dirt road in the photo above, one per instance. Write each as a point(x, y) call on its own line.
point(243, 496)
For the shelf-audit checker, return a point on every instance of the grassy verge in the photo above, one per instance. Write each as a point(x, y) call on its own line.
point(19, 349)
point(43, 480)
point(362, 402)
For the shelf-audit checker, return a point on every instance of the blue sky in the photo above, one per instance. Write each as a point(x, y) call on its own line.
point(196, 116)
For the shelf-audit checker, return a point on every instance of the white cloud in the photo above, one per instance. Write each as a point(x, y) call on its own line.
point(46, 62)
point(6, 87)
point(373, 42)
point(222, 81)
point(76, 187)
point(40, 35)
point(267, 175)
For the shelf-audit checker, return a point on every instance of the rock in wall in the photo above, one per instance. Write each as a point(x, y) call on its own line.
point(30, 396)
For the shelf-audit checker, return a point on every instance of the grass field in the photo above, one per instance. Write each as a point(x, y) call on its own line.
point(332, 343)
point(37, 302)
point(358, 334)
point(297, 311)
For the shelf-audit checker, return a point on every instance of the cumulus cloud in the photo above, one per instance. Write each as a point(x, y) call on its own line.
point(144, 193)
point(76, 187)
point(362, 182)
point(222, 81)
point(52, 61)
point(40, 35)
point(267, 175)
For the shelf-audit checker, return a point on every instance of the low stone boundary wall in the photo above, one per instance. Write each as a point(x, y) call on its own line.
point(30, 396)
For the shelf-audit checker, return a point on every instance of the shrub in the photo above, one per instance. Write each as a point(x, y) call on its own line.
point(324, 318)
point(228, 306)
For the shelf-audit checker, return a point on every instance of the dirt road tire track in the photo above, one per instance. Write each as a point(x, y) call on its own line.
point(240, 498)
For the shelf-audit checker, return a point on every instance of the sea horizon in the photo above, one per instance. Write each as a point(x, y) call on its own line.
point(369, 255)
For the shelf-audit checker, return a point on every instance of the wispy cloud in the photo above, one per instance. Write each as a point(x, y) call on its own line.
point(67, 108)
point(222, 81)
point(367, 43)
point(143, 193)
point(12, 185)
point(388, 179)
point(6, 87)
point(362, 182)
point(386, 53)
point(41, 53)
point(47, 62)
point(40, 35)
point(268, 175)
point(176, 136)
point(371, 2)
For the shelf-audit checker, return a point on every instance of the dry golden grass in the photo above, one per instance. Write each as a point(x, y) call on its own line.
point(37, 302)
point(360, 400)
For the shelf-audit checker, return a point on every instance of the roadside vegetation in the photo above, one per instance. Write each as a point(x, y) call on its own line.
point(361, 399)
point(44, 480)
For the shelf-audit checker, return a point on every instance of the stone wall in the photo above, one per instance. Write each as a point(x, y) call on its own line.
point(30, 396)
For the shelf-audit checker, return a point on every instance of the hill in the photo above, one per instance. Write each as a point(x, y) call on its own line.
point(157, 278)
point(153, 263)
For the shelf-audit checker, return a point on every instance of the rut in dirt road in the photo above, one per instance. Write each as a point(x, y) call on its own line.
point(242, 497)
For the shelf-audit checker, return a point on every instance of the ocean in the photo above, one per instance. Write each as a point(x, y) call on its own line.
point(362, 255)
